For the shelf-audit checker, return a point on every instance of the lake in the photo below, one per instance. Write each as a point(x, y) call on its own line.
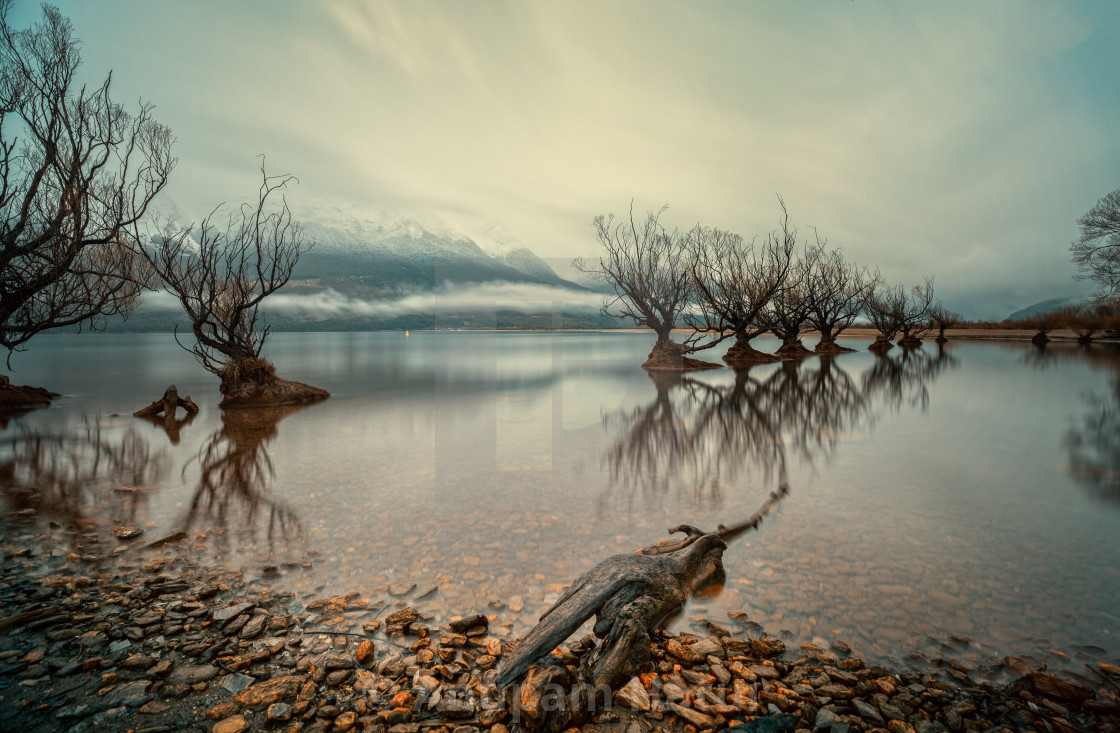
point(960, 502)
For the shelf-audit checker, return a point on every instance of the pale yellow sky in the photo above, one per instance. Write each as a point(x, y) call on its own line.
point(955, 139)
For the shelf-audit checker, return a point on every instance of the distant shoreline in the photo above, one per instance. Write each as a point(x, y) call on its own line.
point(980, 333)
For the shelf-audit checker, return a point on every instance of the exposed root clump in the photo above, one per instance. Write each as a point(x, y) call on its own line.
point(252, 382)
point(742, 353)
point(668, 354)
point(831, 347)
point(22, 397)
point(793, 350)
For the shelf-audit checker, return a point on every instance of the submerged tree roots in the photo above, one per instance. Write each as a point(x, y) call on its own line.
point(252, 382)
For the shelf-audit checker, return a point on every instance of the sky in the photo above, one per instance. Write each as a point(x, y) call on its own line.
point(954, 139)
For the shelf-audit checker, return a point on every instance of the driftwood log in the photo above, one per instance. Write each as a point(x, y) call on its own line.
point(631, 595)
point(162, 412)
point(167, 404)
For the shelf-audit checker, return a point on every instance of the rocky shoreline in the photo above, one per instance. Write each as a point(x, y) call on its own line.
point(147, 638)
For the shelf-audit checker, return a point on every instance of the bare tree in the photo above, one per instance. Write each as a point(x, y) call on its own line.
point(914, 318)
point(221, 273)
point(884, 305)
point(648, 270)
point(735, 283)
point(942, 318)
point(1096, 251)
point(77, 174)
point(1084, 319)
point(787, 314)
point(838, 292)
point(1043, 323)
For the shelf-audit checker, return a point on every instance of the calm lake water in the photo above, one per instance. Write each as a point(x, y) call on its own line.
point(970, 492)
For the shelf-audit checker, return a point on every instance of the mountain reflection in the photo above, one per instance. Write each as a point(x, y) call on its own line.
point(76, 478)
point(233, 495)
point(697, 437)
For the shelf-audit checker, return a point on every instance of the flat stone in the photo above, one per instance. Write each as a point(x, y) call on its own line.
point(838, 692)
point(633, 695)
point(225, 614)
point(254, 626)
point(682, 652)
point(866, 710)
point(188, 674)
point(272, 691)
point(765, 671)
point(826, 718)
point(279, 712)
point(453, 707)
point(700, 720)
point(1053, 686)
point(232, 724)
point(235, 683)
point(708, 646)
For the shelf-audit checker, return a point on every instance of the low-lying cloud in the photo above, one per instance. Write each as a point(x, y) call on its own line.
point(448, 298)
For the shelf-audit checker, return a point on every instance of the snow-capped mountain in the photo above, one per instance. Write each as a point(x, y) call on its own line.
point(369, 251)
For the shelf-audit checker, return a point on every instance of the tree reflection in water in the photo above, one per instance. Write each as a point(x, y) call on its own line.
point(904, 376)
point(1093, 438)
point(80, 477)
point(233, 496)
point(708, 435)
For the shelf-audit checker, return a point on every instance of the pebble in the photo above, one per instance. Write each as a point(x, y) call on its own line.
point(232, 724)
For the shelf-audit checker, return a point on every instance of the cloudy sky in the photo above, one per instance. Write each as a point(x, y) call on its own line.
point(955, 139)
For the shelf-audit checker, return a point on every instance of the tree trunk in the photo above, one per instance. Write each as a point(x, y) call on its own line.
point(828, 345)
point(631, 595)
point(742, 353)
point(881, 345)
point(668, 354)
point(252, 382)
point(792, 348)
point(167, 406)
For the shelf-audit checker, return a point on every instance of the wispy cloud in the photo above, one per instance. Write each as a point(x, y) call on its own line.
point(449, 298)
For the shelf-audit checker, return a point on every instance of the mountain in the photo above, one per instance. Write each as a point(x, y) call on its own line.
point(1041, 307)
point(366, 253)
point(368, 270)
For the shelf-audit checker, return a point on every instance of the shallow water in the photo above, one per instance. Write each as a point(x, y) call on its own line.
point(970, 492)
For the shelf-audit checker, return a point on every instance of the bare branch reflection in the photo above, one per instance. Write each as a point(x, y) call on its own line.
point(709, 435)
point(78, 477)
point(233, 496)
point(1093, 438)
point(905, 377)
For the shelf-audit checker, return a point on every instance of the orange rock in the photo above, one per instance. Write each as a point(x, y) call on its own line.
point(222, 711)
point(266, 693)
point(365, 651)
point(403, 699)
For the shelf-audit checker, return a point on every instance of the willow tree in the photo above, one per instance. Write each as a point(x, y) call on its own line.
point(883, 308)
point(838, 292)
point(1096, 251)
point(787, 315)
point(942, 318)
point(77, 175)
point(648, 270)
point(914, 317)
point(221, 271)
point(735, 282)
